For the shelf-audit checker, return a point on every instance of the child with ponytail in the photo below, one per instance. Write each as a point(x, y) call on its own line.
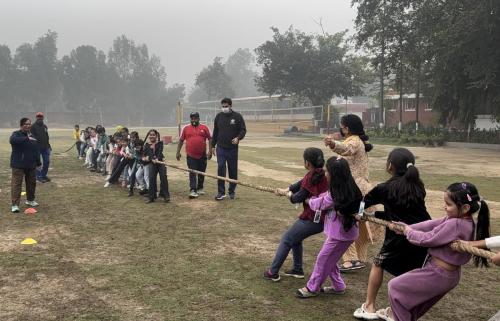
point(341, 202)
point(309, 222)
point(412, 294)
point(403, 199)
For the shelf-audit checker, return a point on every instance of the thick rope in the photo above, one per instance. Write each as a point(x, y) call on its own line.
point(230, 180)
point(67, 150)
point(459, 246)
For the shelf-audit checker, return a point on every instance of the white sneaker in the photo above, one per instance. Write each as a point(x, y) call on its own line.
point(108, 177)
point(32, 203)
point(107, 184)
point(193, 194)
point(361, 313)
point(201, 192)
point(15, 209)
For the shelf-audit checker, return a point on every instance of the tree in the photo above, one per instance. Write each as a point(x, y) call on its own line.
point(308, 66)
point(82, 77)
point(8, 75)
point(239, 67)
point(215, 81)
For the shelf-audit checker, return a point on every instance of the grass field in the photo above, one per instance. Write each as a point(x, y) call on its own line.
point(103, 256)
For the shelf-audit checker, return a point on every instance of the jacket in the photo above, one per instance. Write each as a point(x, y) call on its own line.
point(41, 133)
point(25, 152)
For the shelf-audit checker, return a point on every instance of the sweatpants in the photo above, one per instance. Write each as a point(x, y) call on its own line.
point(412, 294)
point(29, 176)
point(326, 265)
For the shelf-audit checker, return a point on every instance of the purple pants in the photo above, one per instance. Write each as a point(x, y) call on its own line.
point(412, 294)
point(326, 265)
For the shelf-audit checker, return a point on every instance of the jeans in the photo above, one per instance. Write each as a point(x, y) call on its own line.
point(229, 157)
point(199, 165)
point(78, 145)
point(292, 240)
point(45, 154)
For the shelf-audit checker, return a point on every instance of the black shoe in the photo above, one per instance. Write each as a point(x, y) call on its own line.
point(220, 197)
point(295, 273)
point(47, 179)
point(150, 200)
point(166, 199)
point(130, 193)
point(271, 277)
point(92, 170)
point(144, 192)
point(232, 196)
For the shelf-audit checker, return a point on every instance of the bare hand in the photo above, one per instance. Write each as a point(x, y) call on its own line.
point(337, 136)
point(281, 191)
point(235, 141)
point(496, 259)
point(213, 152)
point(178, 156)
point(209, 156)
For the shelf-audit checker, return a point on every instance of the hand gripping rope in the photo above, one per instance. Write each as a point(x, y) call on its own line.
point(459, 246)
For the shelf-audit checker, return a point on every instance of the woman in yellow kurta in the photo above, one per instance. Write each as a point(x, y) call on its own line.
point(355, 150)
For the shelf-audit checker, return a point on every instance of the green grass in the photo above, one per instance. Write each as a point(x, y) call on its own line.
point(103, 256)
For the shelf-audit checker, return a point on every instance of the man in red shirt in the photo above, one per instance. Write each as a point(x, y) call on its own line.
point(196, 136)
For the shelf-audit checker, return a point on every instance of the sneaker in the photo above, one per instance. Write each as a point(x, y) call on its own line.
point(32, 203)
point(92, 170)
point(271, 277)
point(193, 194)
point(130, 193)
point(232, 196)
point(143, 192)
point(201, 191)
point(166, 199)
point(47, 179)
point(107, 184)
point(220, 197)
point(305, 293)
point(331, 290)
point(15, 209)
point(150, 200)
point(295, 273)
point(108, 177)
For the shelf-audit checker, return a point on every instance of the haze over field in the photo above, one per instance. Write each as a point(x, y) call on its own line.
point(186, 35)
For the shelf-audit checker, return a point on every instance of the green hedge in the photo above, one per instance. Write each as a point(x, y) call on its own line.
point(432, 136)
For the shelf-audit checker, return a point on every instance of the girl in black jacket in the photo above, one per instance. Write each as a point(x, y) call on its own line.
point(153, 153)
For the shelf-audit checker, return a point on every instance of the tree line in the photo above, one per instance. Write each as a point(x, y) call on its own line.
point(128, 79)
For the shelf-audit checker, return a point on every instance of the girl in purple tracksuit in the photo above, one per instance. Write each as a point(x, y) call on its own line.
point(412, 294)
point(341, 229)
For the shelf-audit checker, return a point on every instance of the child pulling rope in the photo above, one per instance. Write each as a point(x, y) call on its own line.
point(459, 246)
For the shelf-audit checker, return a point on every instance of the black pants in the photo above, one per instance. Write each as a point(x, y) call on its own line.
point(227, 157)
point(161, 170)
point(117, 171)
point(95, 154)
point(199, 165)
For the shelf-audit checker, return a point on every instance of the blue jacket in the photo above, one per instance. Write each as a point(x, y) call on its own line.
point(25, 152)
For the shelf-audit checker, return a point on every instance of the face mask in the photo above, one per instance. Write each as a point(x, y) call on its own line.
point(195, 122)
point(226, 110)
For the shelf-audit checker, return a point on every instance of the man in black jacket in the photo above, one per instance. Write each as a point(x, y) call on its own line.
point(41, 133)
point(229, 129)
point(24, 159)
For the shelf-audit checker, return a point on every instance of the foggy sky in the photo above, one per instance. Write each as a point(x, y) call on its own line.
point(185, 34)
